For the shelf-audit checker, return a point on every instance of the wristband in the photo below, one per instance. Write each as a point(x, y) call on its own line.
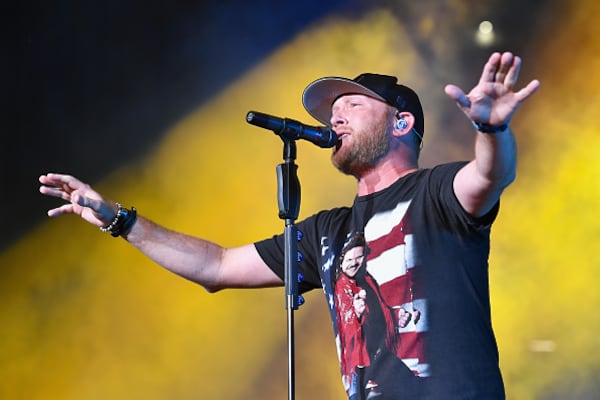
point(487, 128)
point(122, 223)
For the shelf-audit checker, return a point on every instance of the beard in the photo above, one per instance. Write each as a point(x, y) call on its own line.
point(367, 146)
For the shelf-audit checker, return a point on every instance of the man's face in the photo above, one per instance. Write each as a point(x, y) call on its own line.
point(352, 261)
point(364, 127)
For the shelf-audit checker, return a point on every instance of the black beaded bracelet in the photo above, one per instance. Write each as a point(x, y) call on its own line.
point(116, 220)
point(122, 223)
point(487, 128)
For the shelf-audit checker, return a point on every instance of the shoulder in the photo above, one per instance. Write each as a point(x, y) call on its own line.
point(328, 217)
point(446, 170)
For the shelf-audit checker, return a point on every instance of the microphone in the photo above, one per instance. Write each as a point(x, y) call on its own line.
point(322, 136)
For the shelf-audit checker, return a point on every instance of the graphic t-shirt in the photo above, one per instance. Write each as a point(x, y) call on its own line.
point(405, 275)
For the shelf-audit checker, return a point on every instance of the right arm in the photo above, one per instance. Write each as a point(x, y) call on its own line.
point(206, 263)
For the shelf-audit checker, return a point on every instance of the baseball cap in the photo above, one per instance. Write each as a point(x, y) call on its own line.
point(319, 96)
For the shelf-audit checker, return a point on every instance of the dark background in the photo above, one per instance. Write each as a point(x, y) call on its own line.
point(89, 86)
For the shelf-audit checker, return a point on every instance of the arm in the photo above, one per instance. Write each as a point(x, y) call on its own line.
point(493, 102)
point(201, 261)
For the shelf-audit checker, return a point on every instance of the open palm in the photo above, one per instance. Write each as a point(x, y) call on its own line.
point(493, 100)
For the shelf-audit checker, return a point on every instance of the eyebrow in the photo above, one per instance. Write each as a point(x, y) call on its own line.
point(346, 99)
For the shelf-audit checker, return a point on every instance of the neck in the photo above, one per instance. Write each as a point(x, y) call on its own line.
point(384, 174)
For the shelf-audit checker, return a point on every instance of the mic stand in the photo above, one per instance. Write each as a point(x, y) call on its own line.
point(289, 206)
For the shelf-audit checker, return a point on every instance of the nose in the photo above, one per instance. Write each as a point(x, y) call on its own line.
point(337, 119)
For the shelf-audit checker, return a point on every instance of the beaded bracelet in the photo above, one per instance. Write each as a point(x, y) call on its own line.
point(122, 223)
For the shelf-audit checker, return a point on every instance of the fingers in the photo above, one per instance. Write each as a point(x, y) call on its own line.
point(57, 185)
point(458, 95)
point(64, 185)
point(512, 65)
point(528, 90)
point(64, 209)
point(490, 68)
point(60, 180)
point(501, 68)
point(54, 191)
point(70, 189)
point(504, 68)
point(493, 99)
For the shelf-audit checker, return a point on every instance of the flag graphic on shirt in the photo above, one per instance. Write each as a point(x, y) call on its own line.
point(392, 261)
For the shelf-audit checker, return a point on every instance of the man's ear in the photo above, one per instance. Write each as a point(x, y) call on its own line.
point(405, 121)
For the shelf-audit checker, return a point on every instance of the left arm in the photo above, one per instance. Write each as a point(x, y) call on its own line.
point(492, 102)
point(478, 184)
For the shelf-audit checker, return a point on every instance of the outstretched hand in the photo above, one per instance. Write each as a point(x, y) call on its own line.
point(81, 199)
point(493, 100)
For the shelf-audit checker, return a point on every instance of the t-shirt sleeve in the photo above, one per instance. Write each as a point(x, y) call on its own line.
point(441, 182)
point(272, 251)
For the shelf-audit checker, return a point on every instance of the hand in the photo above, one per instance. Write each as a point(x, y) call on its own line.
point(493, 100)
point(82, 199)
point(404, 317)
point(359, 303)
point(416, 315)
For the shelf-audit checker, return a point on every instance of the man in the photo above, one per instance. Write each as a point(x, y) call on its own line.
point(368, 341)
point(427, 229)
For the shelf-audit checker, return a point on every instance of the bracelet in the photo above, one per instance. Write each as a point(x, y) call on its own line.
point(110, 227)
point(122, 223)
point(128, 223)
point(487, 128)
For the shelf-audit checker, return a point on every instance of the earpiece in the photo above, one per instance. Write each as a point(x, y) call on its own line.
point(401, 124)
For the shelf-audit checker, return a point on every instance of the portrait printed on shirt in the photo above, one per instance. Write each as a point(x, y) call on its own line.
point(380, 314)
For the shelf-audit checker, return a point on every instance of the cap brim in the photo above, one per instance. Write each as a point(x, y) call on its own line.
point(318, 97)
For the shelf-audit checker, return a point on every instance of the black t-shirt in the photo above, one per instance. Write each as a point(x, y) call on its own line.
point(427, 265)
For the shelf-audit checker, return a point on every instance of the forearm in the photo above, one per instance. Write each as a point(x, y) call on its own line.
point(480, 183)
point(195, 259)
point(496, 158)
point(201, 261)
